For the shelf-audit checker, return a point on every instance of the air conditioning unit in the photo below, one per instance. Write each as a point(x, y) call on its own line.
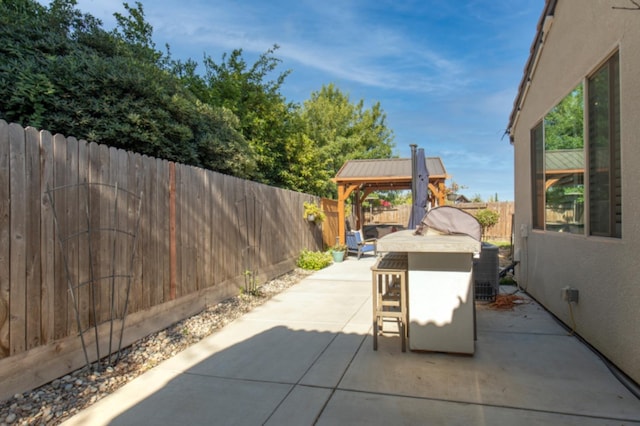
point(485, 273)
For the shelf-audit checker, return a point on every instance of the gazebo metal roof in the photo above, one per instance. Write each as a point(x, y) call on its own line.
point(387, 173)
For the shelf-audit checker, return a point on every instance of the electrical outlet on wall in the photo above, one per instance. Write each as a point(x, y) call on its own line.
point(570, 294)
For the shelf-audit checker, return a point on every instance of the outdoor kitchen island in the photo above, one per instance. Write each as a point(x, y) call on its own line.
point(441, 306)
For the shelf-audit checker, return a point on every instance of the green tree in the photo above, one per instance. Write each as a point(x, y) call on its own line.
point(563, 124)
point(340, 130)
point(134, 33)
point(302, 169)
point(265, 117)
point(59, 70)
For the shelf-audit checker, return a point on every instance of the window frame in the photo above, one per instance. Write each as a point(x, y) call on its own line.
point(613, 139)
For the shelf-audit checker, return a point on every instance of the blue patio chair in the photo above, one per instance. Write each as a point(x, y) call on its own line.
point(356, 244)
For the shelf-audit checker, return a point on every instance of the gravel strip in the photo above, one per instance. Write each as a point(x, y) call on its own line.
point(55, 402)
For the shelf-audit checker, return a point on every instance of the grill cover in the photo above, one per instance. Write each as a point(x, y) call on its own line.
point(451, 220)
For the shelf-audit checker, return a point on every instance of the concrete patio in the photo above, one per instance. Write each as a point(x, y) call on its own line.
point(305, 357)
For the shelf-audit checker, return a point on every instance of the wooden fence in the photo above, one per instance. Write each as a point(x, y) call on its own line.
point(399, 215)
point(71, 235)
point(330, 226)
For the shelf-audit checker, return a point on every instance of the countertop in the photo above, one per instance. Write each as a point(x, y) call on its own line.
point(405, 241)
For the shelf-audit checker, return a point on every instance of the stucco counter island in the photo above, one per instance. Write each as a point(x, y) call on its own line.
point(441, 306)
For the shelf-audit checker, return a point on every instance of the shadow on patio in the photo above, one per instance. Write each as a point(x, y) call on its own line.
point(306, 357)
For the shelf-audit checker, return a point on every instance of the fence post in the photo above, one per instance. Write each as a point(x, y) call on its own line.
point(173, 262)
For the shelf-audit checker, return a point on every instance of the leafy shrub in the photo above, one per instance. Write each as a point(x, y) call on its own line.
point(314, 210)
point(507, 281)
point(487, 219)
point(339, 247)
point(314, 260)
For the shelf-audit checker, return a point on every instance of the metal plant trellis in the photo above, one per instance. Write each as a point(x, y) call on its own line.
point(109, 273)
point(249, 212)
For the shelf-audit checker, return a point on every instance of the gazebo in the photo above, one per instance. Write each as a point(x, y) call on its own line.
point(363, 177)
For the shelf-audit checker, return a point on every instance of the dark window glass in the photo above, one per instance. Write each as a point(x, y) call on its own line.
point(537, 169)
point(605, 189)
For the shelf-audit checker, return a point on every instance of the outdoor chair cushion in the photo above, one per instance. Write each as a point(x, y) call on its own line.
point(356, 244)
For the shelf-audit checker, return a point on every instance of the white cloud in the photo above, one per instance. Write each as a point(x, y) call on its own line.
point(343, 44)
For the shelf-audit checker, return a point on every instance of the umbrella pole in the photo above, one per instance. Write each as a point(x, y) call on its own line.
point(413, 171)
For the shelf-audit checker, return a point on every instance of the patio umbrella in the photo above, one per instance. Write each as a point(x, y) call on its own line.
point(420, 186)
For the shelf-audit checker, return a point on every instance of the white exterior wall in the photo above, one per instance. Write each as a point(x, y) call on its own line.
point(606, 271)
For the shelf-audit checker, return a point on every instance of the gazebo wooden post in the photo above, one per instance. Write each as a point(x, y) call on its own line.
point(438, 191)
point(358, 224)
point(442, 193)
point(344, 190)
point(361, 198)
point(341, 219)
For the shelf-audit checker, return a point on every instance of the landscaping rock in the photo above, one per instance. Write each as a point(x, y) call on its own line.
point(62, 398)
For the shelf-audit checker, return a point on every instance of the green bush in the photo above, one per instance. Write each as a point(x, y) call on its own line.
point(507, 281)
point(487, 219)
point(314, 260)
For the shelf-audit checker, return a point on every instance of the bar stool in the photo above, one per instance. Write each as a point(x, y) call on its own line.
point(389, 295)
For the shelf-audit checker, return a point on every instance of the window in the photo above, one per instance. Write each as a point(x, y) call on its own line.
point(558, 159)
point(557, 145)
point(537, 155)
point(605, 189)
point(564, 164)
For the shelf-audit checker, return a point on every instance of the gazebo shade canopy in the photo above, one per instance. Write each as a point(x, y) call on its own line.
point(386, 174)
point(363, 177)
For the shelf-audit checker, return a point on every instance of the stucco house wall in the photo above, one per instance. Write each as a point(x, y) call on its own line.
point(606, 271)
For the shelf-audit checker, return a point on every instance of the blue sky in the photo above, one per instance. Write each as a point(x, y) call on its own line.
point(445, 72)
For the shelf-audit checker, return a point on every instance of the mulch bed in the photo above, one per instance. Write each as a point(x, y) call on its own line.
point(505, 302)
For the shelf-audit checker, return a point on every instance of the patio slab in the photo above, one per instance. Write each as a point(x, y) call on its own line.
point(531, 372)
point(194, 400)
point(351, 408)
point(306, 357)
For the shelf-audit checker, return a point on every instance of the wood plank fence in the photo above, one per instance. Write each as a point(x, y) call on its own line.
point(196, 239)
point(330, 229)
point(399, 215)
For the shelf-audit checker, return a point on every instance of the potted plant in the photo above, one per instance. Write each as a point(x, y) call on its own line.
point(313, 213)
point(338, 251)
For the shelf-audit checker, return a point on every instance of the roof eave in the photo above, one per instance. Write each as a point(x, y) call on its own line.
point(364, 179)
point(544, 23)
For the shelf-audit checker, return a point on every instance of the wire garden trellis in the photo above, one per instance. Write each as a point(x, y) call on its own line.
point(105, 238)
point(249, 212)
